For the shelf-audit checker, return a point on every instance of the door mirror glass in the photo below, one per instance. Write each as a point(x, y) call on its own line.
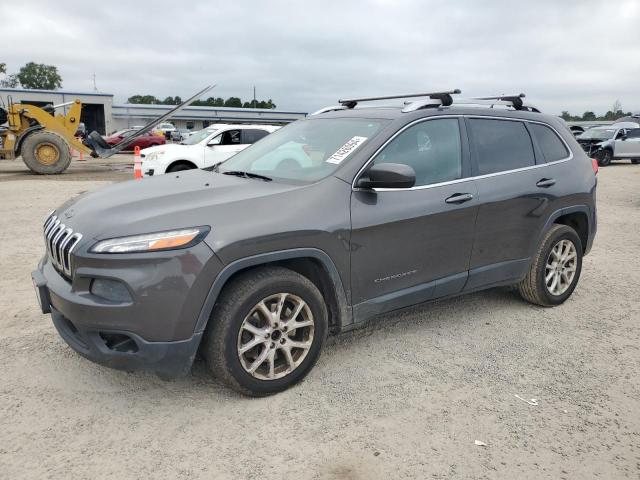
point(388, 175)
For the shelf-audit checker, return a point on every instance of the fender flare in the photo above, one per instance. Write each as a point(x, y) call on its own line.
point(24, 136)
point(344, 310)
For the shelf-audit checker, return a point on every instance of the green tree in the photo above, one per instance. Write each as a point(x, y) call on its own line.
point(144, 100)
point(588, 116)
point(38, 75)
point(566, 116)
point(11, 81)
point(233, 102)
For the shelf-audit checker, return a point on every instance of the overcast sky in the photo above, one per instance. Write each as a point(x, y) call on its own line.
point(565, 55)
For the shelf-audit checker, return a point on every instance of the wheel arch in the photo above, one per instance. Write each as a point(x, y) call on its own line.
point(24, 136)
point(312, 263)
point(579, 218)
point(181, 161)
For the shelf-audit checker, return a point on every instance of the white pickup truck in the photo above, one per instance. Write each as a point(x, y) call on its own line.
point(202, 149)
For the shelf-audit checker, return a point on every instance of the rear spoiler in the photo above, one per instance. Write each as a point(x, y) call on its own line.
point(100, 148)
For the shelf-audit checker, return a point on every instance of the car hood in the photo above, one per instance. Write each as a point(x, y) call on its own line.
point(172, 149)
point(188, 199)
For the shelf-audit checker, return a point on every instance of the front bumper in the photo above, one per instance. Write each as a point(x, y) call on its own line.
point(142, 334)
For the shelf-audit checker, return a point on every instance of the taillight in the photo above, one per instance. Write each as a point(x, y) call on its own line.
point(594, 165)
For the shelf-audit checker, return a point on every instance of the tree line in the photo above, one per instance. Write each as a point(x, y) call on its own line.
point(235, 102)
point(614, 113)
point(32, 75)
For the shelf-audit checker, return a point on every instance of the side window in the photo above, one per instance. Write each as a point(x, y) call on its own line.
point(432, 148)
point(252, 135)
point(635, 133)
point(230, 137)
point(552, 147)
point(501, 145)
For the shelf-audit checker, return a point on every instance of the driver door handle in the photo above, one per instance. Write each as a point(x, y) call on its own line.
point(459, 198)
point(546, 183)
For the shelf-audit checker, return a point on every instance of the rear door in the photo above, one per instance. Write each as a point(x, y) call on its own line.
point(411, 245)
point(516, 194)
point(252, 135)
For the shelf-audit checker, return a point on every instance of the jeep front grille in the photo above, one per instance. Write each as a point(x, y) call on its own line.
point(60, 242)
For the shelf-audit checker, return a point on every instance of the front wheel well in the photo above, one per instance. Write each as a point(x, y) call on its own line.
point(579, 222)
point(176, 163)
point(316, 272)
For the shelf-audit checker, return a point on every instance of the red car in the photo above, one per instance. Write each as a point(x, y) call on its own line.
point(144, 141)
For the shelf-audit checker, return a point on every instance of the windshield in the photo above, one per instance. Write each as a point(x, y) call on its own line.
point(306, 150)
point(598, 134)
point(197, 137)
point(124, 133)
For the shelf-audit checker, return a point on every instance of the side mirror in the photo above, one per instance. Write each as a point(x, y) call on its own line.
point(388, 175)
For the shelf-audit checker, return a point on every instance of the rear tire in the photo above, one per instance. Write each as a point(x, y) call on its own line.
point(46, 153)
point(286, 344)
point(553, 274)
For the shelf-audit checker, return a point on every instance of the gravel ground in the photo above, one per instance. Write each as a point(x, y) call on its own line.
point(405, 397)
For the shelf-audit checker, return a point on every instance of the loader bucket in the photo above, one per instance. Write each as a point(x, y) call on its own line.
point(100, 148)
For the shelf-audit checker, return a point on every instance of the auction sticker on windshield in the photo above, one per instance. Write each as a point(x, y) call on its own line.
point(345, 150)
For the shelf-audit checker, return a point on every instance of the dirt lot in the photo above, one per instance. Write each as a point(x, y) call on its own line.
point(404, 398)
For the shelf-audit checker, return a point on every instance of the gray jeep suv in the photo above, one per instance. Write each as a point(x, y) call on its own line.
point(317, 228)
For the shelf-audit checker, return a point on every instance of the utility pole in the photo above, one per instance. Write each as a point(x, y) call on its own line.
point(95, 87)
point(254, 96)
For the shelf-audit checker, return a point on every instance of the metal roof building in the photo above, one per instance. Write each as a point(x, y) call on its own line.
point(101, 114)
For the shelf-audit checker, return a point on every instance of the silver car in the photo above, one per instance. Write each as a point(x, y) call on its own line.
point(614, 142)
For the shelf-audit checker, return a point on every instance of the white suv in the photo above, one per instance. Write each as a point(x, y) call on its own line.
point(202, 149)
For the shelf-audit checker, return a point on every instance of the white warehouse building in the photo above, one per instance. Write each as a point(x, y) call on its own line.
point(101, 114)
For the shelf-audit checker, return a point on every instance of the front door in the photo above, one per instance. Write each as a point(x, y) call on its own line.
point(630, 146)
point(411, 245)
point(222, 146)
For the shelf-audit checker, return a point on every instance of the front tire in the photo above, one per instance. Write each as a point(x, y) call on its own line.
point(266, 331)
point(46, 153)
point(604, 158)
point(555, 269)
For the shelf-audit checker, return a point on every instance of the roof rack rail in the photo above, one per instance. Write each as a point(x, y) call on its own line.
point(444, 97)
point(513, 101)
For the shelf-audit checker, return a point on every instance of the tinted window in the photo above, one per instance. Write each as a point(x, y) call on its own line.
point(432, 148)
point(230, 137)
point(635, 133)
point(501, 145)
point(253, 135)
point(552, 147)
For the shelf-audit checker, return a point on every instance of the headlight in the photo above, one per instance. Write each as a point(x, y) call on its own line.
point(152, 242)
point(154, 156)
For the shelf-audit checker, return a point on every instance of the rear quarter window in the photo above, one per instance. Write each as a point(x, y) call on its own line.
point(501, 145)
point(552, 147)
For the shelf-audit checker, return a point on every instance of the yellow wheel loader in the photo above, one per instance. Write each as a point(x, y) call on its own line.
point(44, 139)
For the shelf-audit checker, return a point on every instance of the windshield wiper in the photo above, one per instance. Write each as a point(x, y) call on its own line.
point(239, 173)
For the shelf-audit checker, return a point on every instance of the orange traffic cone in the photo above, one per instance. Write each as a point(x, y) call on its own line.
point(137, 164)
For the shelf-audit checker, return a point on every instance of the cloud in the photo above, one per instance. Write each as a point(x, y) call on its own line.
point(571, 55)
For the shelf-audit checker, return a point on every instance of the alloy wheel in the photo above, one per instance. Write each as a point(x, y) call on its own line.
point(561, 266)
point(275, 337)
